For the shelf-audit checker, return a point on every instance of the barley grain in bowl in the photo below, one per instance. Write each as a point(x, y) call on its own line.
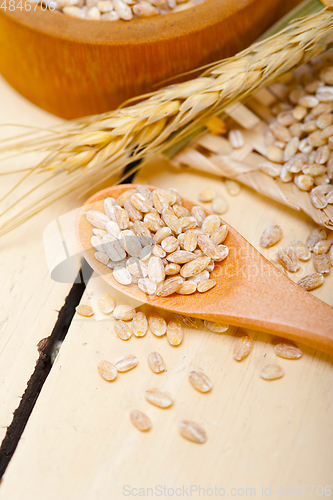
point(115, 10)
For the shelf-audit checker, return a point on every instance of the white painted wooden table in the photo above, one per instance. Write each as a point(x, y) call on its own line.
point(79, 443)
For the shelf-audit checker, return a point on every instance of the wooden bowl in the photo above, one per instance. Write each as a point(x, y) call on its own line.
point(73, 67)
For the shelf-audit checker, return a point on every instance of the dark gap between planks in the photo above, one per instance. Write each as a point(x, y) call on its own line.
point(43, 366)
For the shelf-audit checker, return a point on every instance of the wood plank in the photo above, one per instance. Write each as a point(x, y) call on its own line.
point(30, 299)
point(80, 444)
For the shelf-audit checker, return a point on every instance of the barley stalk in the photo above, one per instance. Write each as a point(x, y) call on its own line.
point(90, 150)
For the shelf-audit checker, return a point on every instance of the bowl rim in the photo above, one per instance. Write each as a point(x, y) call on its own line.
point(137, 31)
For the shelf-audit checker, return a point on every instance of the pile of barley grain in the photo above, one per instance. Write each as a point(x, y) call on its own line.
point(113, 10)
point(299, 143)
point(150, 239)
point(319, 243)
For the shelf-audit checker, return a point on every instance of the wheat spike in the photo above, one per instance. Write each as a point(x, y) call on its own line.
point(94, 148)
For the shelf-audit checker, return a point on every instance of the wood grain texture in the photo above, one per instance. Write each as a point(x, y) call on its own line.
point(72, 67)
point(80, 444)
point(30, 300)
point(250, 291)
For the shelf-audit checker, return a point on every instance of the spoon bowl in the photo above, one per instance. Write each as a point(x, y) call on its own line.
point(250, 291)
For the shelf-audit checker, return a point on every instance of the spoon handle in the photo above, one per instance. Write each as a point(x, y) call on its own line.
point(281, 307)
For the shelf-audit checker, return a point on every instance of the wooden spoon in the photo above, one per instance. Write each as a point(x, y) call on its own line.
point(250, 291)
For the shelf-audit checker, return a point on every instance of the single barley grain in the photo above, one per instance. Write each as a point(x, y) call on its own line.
point(271, 236)
point(106, 303)
point(181, 211)
point(134, 214)
point(308, 101)
point(209, 247)
point(181, 257)
point(192, 431)
point(73, 11)
point(156, 362)
point(97, 219)
point(123, 10)
point(188, 321)
point(107, 370)
point(140, 420)
point(187, 288)
point(174, 333)
point(207, 195)
point(145, 253)
point(122, 275)
point(126, 363)
point(271, 372)
point(159, 397)
point(199, 278)
point(153, 222)
point(220, 234)
point(147, 286)
point(113, 248)
point(124, 312)
point(137, 267)
point(160, 202)
point(287, 351)
point(141, 229)
point(219, 205)
point(233, 187)
point(318, 199)
point(157, 324)
point(289, 259)
point(156, 272)
point(170, 244)
point(322, 246)
point(141, 203)
point(139, 324)
point(145, 192)
point(224, 252)
point(194, 267)
point(159, 252)
point(274, 154)
point(126, 195)
point(206, 285)
point(321, 264)
point(171, 269)
point(285, 174)
point(199, 214)
point(200, 381)
point(211, 224)
point(161, 234)
point(280, 132)
point(243, 348)
point(122, 330)
point(216, 327)
point(301, 250)
point(84, 310)
point(188, 222)
point(172, 221)
point(99, 232)
point(113, 229)
point(102, 258)
point(315, 236)
point(109, 203)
